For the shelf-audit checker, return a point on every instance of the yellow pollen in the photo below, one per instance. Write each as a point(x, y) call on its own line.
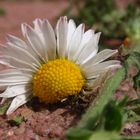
point(57, 80)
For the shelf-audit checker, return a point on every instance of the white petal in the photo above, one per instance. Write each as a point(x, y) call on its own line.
point(89, 83)
point(16, 41)
point(8, 83)
point(20, 43)
point(17, 102)
point(10, 77)
point(34, 41)
point(96, 83)
point(16, 63)
point(5, 62)
point(49, 39)
point(18, 53)
point(27, 71)
point(3, 100)
point(13, 91)
point(89, 51)
point(71, 30)
point(13, 77)
point(23, 29)
point(38, 30)
point(87, 36)
point(94, 71)
point(75, 41)
point(61, 33)
point(100, 57)
point(7, 73)
point(37, 23)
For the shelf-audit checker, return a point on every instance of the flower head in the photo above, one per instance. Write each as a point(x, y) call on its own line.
point(51, 64)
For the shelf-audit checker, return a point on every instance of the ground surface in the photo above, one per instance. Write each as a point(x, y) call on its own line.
point(43, 122)
point(40, 123)
point(17, 13)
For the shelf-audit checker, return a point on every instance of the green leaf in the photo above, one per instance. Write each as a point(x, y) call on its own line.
point(105, 95)
point(16, 120)
point(89, 135)
point(132, 116)
point(132, 28)
point(2, 11)
point(104, 135)
point(136, 80)
point(94, 112)
point(133, 105)
point(4, 107)
point(113, 117)
point(133, 59)
point(79, 134)
point(131, 138)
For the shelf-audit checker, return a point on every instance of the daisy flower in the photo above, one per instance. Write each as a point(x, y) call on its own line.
point(51, 65)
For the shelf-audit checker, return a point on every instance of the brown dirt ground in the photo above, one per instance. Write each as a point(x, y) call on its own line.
point(41, 122)
point(44, 122)
point(19, 12)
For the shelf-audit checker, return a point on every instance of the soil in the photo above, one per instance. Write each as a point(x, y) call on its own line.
point(45, 122)
point(41, 122)
point(50, 122)
point(21, 12)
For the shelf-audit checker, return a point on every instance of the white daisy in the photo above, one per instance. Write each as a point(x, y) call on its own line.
point(51, 65)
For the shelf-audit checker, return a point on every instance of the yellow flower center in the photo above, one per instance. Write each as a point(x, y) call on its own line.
point(57, 80)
